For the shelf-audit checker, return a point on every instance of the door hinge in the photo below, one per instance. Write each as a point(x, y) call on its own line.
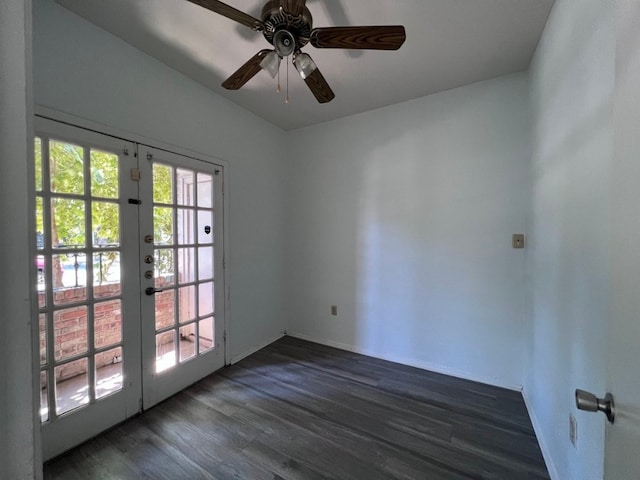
point(140, 405)
point(224, 336)
point(135, 174)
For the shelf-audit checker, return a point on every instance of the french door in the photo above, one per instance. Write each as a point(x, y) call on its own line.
point(130, 310)
point(182, 300)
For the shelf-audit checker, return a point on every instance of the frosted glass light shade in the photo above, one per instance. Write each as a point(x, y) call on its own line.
point(304, 64)
point(271, 63)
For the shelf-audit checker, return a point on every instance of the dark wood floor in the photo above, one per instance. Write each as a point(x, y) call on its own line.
point(298, 410)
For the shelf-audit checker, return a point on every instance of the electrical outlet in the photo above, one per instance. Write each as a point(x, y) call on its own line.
point(573, 430)
point(334, 310)
point(518, 240)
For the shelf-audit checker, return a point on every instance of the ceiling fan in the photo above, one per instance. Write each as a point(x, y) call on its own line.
point(288, 26)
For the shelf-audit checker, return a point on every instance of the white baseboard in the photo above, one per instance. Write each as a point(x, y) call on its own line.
point(407, 361)
point(252, 350)
point(546, 451)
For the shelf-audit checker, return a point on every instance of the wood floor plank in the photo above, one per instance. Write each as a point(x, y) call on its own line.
point(436, 393)
point(296, 433)
point(409, 415)
point(100, 460)
point(284, 466)
point(214, 444)
point(151, 455)
point(284, 420)
point(429, 447)
point(298, 410)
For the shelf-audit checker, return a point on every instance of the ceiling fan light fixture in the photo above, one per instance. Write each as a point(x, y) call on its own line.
point(288, 26)
point(304, 64)
point(271, 63)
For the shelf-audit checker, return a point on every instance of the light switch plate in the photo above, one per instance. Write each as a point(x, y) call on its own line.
point(518, 240)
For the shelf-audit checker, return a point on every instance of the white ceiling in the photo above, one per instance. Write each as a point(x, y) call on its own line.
point(449, 43)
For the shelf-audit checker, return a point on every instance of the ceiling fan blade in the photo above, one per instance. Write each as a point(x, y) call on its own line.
point(372, 38)
point(230, 12)
point(319, 87)
point(294, 7)
point(246, 72)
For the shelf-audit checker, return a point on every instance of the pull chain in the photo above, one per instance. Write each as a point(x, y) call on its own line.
point(278, 87)
point(286, 99)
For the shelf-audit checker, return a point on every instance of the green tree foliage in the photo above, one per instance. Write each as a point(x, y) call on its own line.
point(70, 171)
point(66, 174)
point(162, 216)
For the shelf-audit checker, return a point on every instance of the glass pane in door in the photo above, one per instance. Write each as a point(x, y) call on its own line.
point(86, 272)
point(108, 373)
point(78, 235)
point(184, 264)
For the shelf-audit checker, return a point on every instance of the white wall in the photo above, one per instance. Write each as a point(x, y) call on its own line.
point(18, 438)
point(403, 218)
point(82, 70)
point(572, 82)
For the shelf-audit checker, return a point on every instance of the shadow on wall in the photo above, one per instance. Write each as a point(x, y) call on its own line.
point(412, 280)
point(436, 279)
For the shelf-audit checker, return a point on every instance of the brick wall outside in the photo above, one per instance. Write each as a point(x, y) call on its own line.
point(70, 326)
point(164, 308)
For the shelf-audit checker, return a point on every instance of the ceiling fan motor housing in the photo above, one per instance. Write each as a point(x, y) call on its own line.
point(276, 20)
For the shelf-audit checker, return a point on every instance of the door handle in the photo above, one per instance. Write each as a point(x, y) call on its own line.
point(590, 403)
point(153, 291)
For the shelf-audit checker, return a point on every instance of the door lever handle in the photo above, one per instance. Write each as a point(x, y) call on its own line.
point(590, 403)
point(153, 291)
